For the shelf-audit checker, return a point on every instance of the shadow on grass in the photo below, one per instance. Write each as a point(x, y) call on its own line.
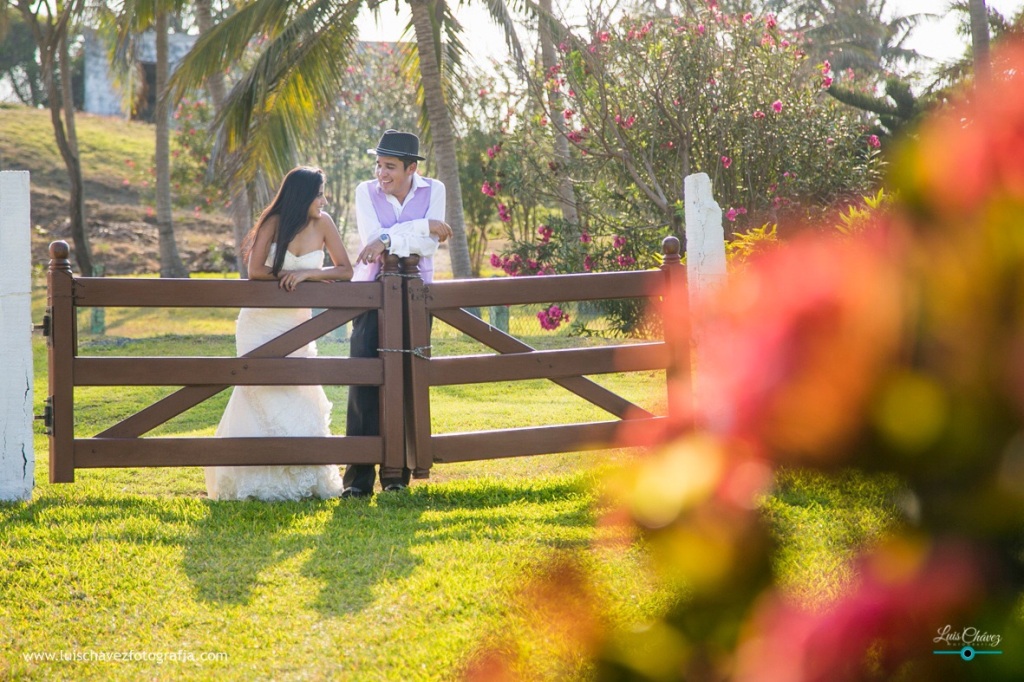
point(229, 549)
point(365, 543)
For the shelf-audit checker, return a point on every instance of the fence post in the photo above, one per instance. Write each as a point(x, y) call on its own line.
point(17, 454)
point(419, 455)
point(677, 330)
point(392, 399)
point(705, 265)
point(62, 342)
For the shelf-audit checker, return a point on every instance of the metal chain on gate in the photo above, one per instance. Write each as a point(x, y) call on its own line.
point(418, 351)
point(403, 275)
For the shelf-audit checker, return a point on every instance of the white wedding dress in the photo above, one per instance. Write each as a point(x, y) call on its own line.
point(275, 411)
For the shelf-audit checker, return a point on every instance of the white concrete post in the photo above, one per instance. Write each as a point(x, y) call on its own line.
point(17, 457)
point(705, 238)
point(705, 272)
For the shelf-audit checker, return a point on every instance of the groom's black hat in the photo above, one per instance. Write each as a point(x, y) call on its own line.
point(402, 145)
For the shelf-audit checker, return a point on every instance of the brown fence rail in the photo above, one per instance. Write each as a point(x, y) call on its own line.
point(405, 371)
point(516, 360)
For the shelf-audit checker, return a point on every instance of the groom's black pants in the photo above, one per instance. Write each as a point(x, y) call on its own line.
point(364, 408)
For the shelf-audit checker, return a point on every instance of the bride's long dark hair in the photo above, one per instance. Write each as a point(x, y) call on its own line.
point(298, 190)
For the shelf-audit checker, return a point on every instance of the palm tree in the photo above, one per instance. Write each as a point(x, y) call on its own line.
point(547, 29)
point(50, 26)
point(280, 100)
point(979, 37)
point(137, 16)
point(241, 214)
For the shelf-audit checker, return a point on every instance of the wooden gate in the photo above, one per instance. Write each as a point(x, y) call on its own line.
point(405, 371)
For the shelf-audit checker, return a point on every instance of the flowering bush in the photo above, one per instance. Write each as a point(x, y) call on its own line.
point(191, 184)
point(378, 94)
point(648, 102)
point(191, 144)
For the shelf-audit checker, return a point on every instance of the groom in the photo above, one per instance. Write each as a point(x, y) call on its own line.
point(403, 213)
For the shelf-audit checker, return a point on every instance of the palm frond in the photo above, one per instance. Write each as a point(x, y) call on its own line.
point(289, 90)
point(231, 40)
point(501, 13)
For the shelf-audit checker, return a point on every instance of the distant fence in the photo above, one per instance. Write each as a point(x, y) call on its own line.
point(405, 370)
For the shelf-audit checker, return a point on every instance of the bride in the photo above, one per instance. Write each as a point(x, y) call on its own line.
point(286, 244)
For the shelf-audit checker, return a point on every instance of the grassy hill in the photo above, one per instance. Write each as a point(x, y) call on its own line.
point(122, 234)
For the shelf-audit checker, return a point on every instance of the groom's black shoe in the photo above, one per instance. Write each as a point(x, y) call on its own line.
point(395, 488)
point(354, 492)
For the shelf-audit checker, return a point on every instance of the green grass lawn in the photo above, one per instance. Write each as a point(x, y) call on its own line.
point(394, 588)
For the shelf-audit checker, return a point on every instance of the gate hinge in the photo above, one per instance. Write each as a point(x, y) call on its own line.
point(47, 325)
point(47, 415)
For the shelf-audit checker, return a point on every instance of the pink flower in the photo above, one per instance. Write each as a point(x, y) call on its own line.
point(487, 189)
point(758, 114)
point(585, 237)
point(770, 22)
point(874, 141)
point(732, 213)
point(482, 92)
point(551, 318)
point(543, 121)
point(726, 162)
point(625, 261)
point(826, 66)
point(625, 122)
point(495, 260)
point(568, 113)
point(777, 106)
point(826, 82)
point(604, 36)
point(504, 214)
point(700, 29)
point(746, 17)
point(588, 264)
point(545, 233)
point(619, 241)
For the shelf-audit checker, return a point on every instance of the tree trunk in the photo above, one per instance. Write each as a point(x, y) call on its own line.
point(442, 136)
point(51, 43)
point(566, 193)
point(170, 261)
point(980, 38)
point(241, 215)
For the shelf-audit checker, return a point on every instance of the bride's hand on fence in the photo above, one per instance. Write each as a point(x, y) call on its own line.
point(289, 280)
point(371, 252)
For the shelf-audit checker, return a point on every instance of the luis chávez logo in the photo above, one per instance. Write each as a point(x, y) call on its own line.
point(971, 642)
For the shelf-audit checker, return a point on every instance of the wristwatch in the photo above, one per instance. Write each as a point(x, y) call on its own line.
point(385, 239)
